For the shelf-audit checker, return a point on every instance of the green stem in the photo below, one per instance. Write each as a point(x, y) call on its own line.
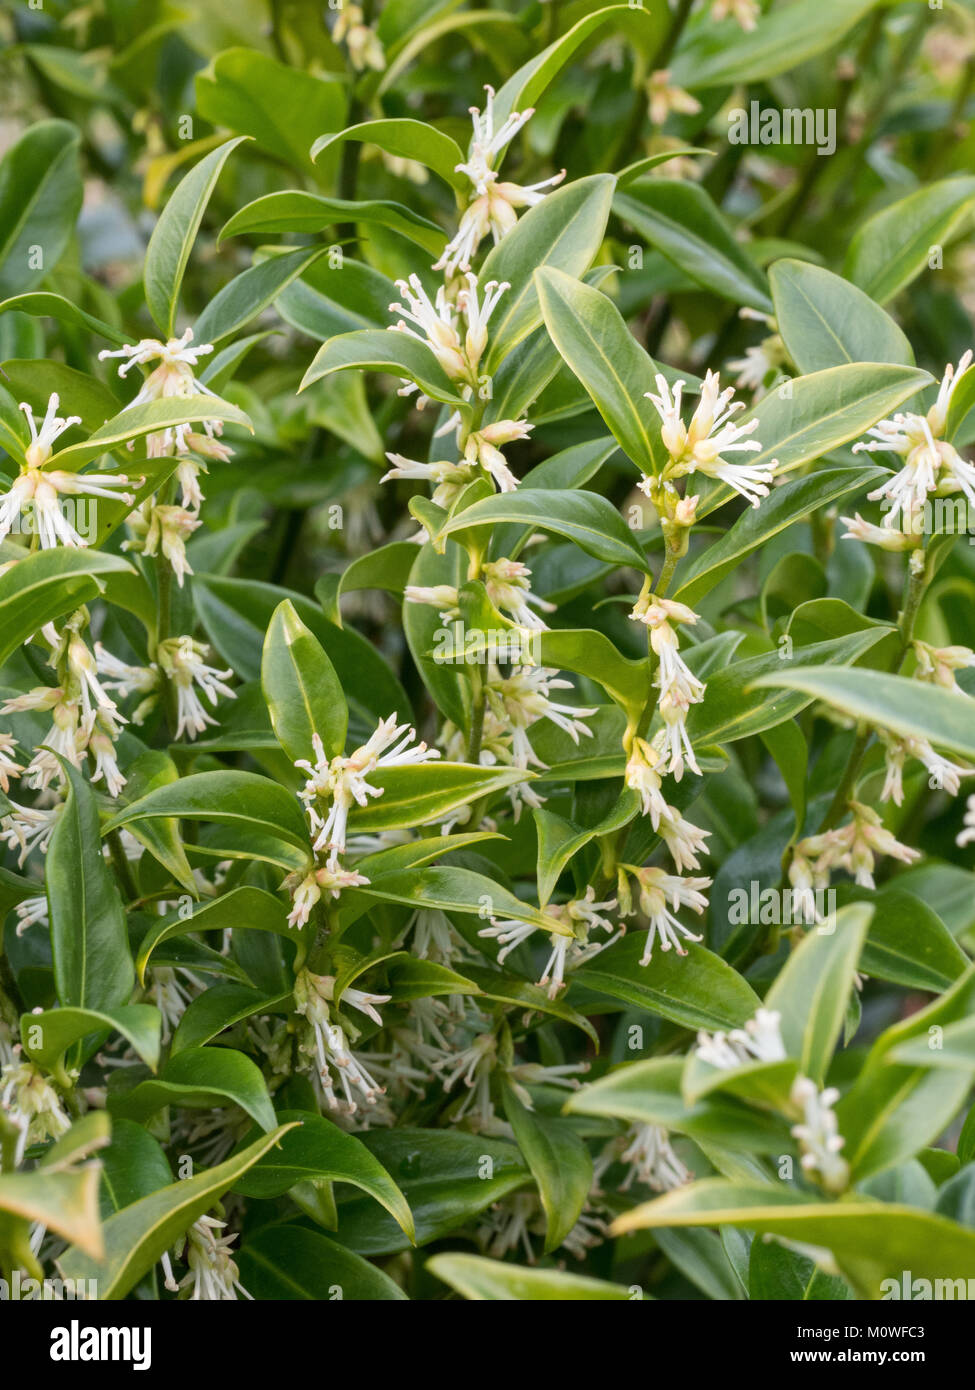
point(121, 866)
point(477, 715)
point(913, 597)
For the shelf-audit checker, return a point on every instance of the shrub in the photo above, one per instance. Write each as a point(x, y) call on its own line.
point(485, 712)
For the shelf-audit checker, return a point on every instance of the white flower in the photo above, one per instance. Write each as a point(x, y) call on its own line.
point(657, 888)
point(181, 661)
point(508, 587)
point(344, 779)
point(521, 699)
point(684, 840)
point(759, 361)
point(434, 938)
point(509, 934)
point(42, 440)
point(106, 762)
point(652, 1161)
point(9, 767)
point(42, 490)
point(328, 1046)
point(663, 97)
point(28, 828)
point(456, 333)
point(580, 916)
point(641, 776)
point(213, 1273)
point(746, 12)
point(166, 529)
point(449, 478)
point(493, 206)
point(307, 890)
point(853, 847)
point(944, 774)
point(929, 461)
point(700, 446)
point(819, 1140)
point(123, 678)
point(31, 1104)
point(482, 447)
point(859, 530)
point(759, 1041)
point(171, 995)
point(29, 911)
point(966, 836)
point(939, 664)
point(441, 596)
point(365, 49)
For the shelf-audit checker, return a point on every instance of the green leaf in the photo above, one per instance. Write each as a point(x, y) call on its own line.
point(812, 415)
point(893, 1109)
point(288, 1263)
point(141, 1233)
point(733, 706)
point(66, 1203)
point(954, 1047)
point(304, 695)
point(133, 1166)
point(168, 253)
point(564, 232)
point(482, 1280)
point(43, 304)
point(649, 1093)
point(220, 1007)
point(49, 583)
point(586, 518)
point(756, 526)
point(47, 1036)
point(454, 890)
point(40, 198)
point(250, 292)
point(907, 943)
point(228, 797)
point(559, 1162)
point(683, 223)
point(590, 333)
point(318, 1151)
point(812, 989)
point(237, 613)
point(406, 139)
point(644, 28)
point(297, 210)
point(200, 1078)
point(139, 420)
point(720, 55)
point(872, 1241)
point(527, 996)
point(698, 990)
point(92, 963)
point(892, 248)
point(447, 1177)
point(283, 108)
point(380, 350)
point(826, 322)
point(592, 654)
point(242, 909)
point(892, 702)
point(427, 792)
point(559, 840)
